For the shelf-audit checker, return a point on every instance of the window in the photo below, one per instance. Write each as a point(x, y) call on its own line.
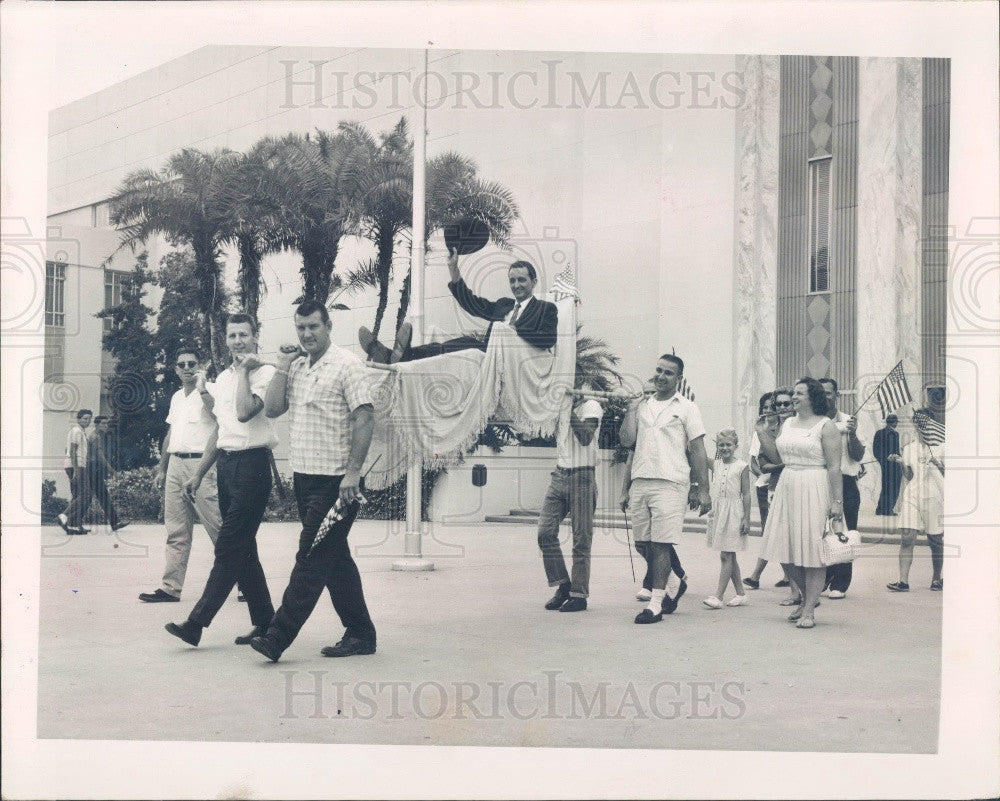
point(113, 283)
point(100, 215)
point(55, 294)
point(819, 225)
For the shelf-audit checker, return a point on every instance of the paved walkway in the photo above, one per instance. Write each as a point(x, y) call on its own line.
point(468, 656)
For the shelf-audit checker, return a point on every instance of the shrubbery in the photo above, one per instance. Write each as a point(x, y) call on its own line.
point(52, 504)
point(134, 494)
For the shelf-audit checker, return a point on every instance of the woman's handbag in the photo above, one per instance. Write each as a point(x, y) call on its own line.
point(839, 546)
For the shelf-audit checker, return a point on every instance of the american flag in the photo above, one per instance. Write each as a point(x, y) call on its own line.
point(565, 285)
point(893, 392)
point(931, 431)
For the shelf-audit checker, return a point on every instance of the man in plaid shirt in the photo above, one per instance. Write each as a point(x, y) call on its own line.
point(325, 389)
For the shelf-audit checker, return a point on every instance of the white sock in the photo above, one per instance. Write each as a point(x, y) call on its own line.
point(673, 584)
point(656, 602)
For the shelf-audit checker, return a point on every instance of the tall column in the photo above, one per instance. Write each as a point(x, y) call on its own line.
point(756, 235)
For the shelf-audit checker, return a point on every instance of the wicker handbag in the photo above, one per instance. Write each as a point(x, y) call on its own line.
point(839, 546)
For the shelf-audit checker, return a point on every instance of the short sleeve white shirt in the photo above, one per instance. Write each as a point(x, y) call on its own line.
point(764, 478)
point(848, 466)
point(664, 430)
point(77, 436)
point(190, 423)
point(258, 432)
point(570, 452)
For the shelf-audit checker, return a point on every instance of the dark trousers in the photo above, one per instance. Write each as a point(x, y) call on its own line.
point(438, 348)
point(330, 565)
point(764, 505)
point(99, 486)
point(80, 498)
point(675, 564)
point(244, 479)
point(838, 577)
point(572, 493)
point(892, 476)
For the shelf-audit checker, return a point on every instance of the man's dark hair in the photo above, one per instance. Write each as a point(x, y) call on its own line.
point(817, 395)
point(836, 389)
point(241, 317)
point(190, 351)
point(100, 419)
point(891, 417)
point(763, 399)
point(782, 391)
point(670, 357)
point(83, 413)
point(525, 265)
point(307, 307)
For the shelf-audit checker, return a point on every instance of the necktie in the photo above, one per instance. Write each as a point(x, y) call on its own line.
point(517, 311)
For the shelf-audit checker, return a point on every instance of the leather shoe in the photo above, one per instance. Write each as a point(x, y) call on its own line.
point(121, 525)
point(266, 646)
point(376, 351)
point(574, 605)
point(158, 597)
point(350, 646)
point(403, 336)
point(557, 600)
point(256, 631)
point(189, 631)
point(646, 616)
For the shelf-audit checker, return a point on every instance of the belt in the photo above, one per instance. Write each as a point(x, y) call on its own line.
point(187, 455)
point(572, 469)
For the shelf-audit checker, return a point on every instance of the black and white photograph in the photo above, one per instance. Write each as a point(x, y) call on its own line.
point(500, 400)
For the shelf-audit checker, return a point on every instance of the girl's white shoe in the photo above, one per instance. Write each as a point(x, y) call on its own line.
point(712, 602)
point(738, 600)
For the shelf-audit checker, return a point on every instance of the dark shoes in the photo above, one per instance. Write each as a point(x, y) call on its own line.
point(669, 605)
point(120, 525)
point(376, 351)
point(256, 631)
point(899, 586)
point(753, 584)
point(189, 631)
point(266, 646)
point(158, 597)
point(403, 336)
point(937, 585)
point(645, 616)
point(350, 646)
point(241, 598)
point(557, 600)
point(574, 605)
point(782, 583)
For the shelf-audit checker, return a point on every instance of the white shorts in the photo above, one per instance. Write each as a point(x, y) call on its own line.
point(657, 508)
point(925, 517)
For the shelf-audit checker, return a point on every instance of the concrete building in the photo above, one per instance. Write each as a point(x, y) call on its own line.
point(766, 217)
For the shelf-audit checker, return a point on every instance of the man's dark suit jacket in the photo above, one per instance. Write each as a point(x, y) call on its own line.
point(536, 324)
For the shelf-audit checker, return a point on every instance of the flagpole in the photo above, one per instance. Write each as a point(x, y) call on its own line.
point(412, 544)
point(861, 405)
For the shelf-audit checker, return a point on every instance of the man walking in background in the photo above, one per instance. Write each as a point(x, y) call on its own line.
point(75, 464)
point(100, 469)
point(884, 445)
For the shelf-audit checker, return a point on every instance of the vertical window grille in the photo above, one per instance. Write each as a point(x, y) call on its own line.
point(55, 294)
point(819, 225)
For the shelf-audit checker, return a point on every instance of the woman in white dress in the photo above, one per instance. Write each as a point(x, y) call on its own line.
point(809, 492)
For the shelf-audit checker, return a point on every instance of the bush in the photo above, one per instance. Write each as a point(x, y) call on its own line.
point(52, 504)
point(281, 510)
point(134, 494)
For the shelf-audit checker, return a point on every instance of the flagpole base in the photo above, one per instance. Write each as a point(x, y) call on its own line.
point(413, 564)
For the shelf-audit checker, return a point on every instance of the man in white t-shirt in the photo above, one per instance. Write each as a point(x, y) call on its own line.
point(666, 430)
point(189, 426)
point(572, 491)
point(852, 449)
point(921, 505)
point(75, 465)
point(242, 443)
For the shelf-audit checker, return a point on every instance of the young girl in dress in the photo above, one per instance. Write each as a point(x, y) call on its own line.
point(729, 522)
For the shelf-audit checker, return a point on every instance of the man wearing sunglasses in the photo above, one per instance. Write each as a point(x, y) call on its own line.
point(189, 425)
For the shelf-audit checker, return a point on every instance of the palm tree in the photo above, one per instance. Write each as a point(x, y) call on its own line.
point(186, 203)
point(596, 363)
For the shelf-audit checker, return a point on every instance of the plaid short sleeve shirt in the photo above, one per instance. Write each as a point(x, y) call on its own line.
point(321, 398)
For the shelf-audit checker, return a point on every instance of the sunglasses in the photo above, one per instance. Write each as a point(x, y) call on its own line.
point(187, 364)
point(783, 403)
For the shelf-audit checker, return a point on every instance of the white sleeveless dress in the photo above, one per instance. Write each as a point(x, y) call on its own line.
point(797, 518)
point(723, 530)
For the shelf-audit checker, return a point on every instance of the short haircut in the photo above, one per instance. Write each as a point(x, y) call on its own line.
point(190, 351)
point(764, 399)
point(782, 391)
point(308, 307)
point(728, 433)
point(676, 360)
point(241, 317)
point(817, 395)
point(100, 419)
point(832, 381)
point(525, 265)
point(889, 417)
point(84, 413)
